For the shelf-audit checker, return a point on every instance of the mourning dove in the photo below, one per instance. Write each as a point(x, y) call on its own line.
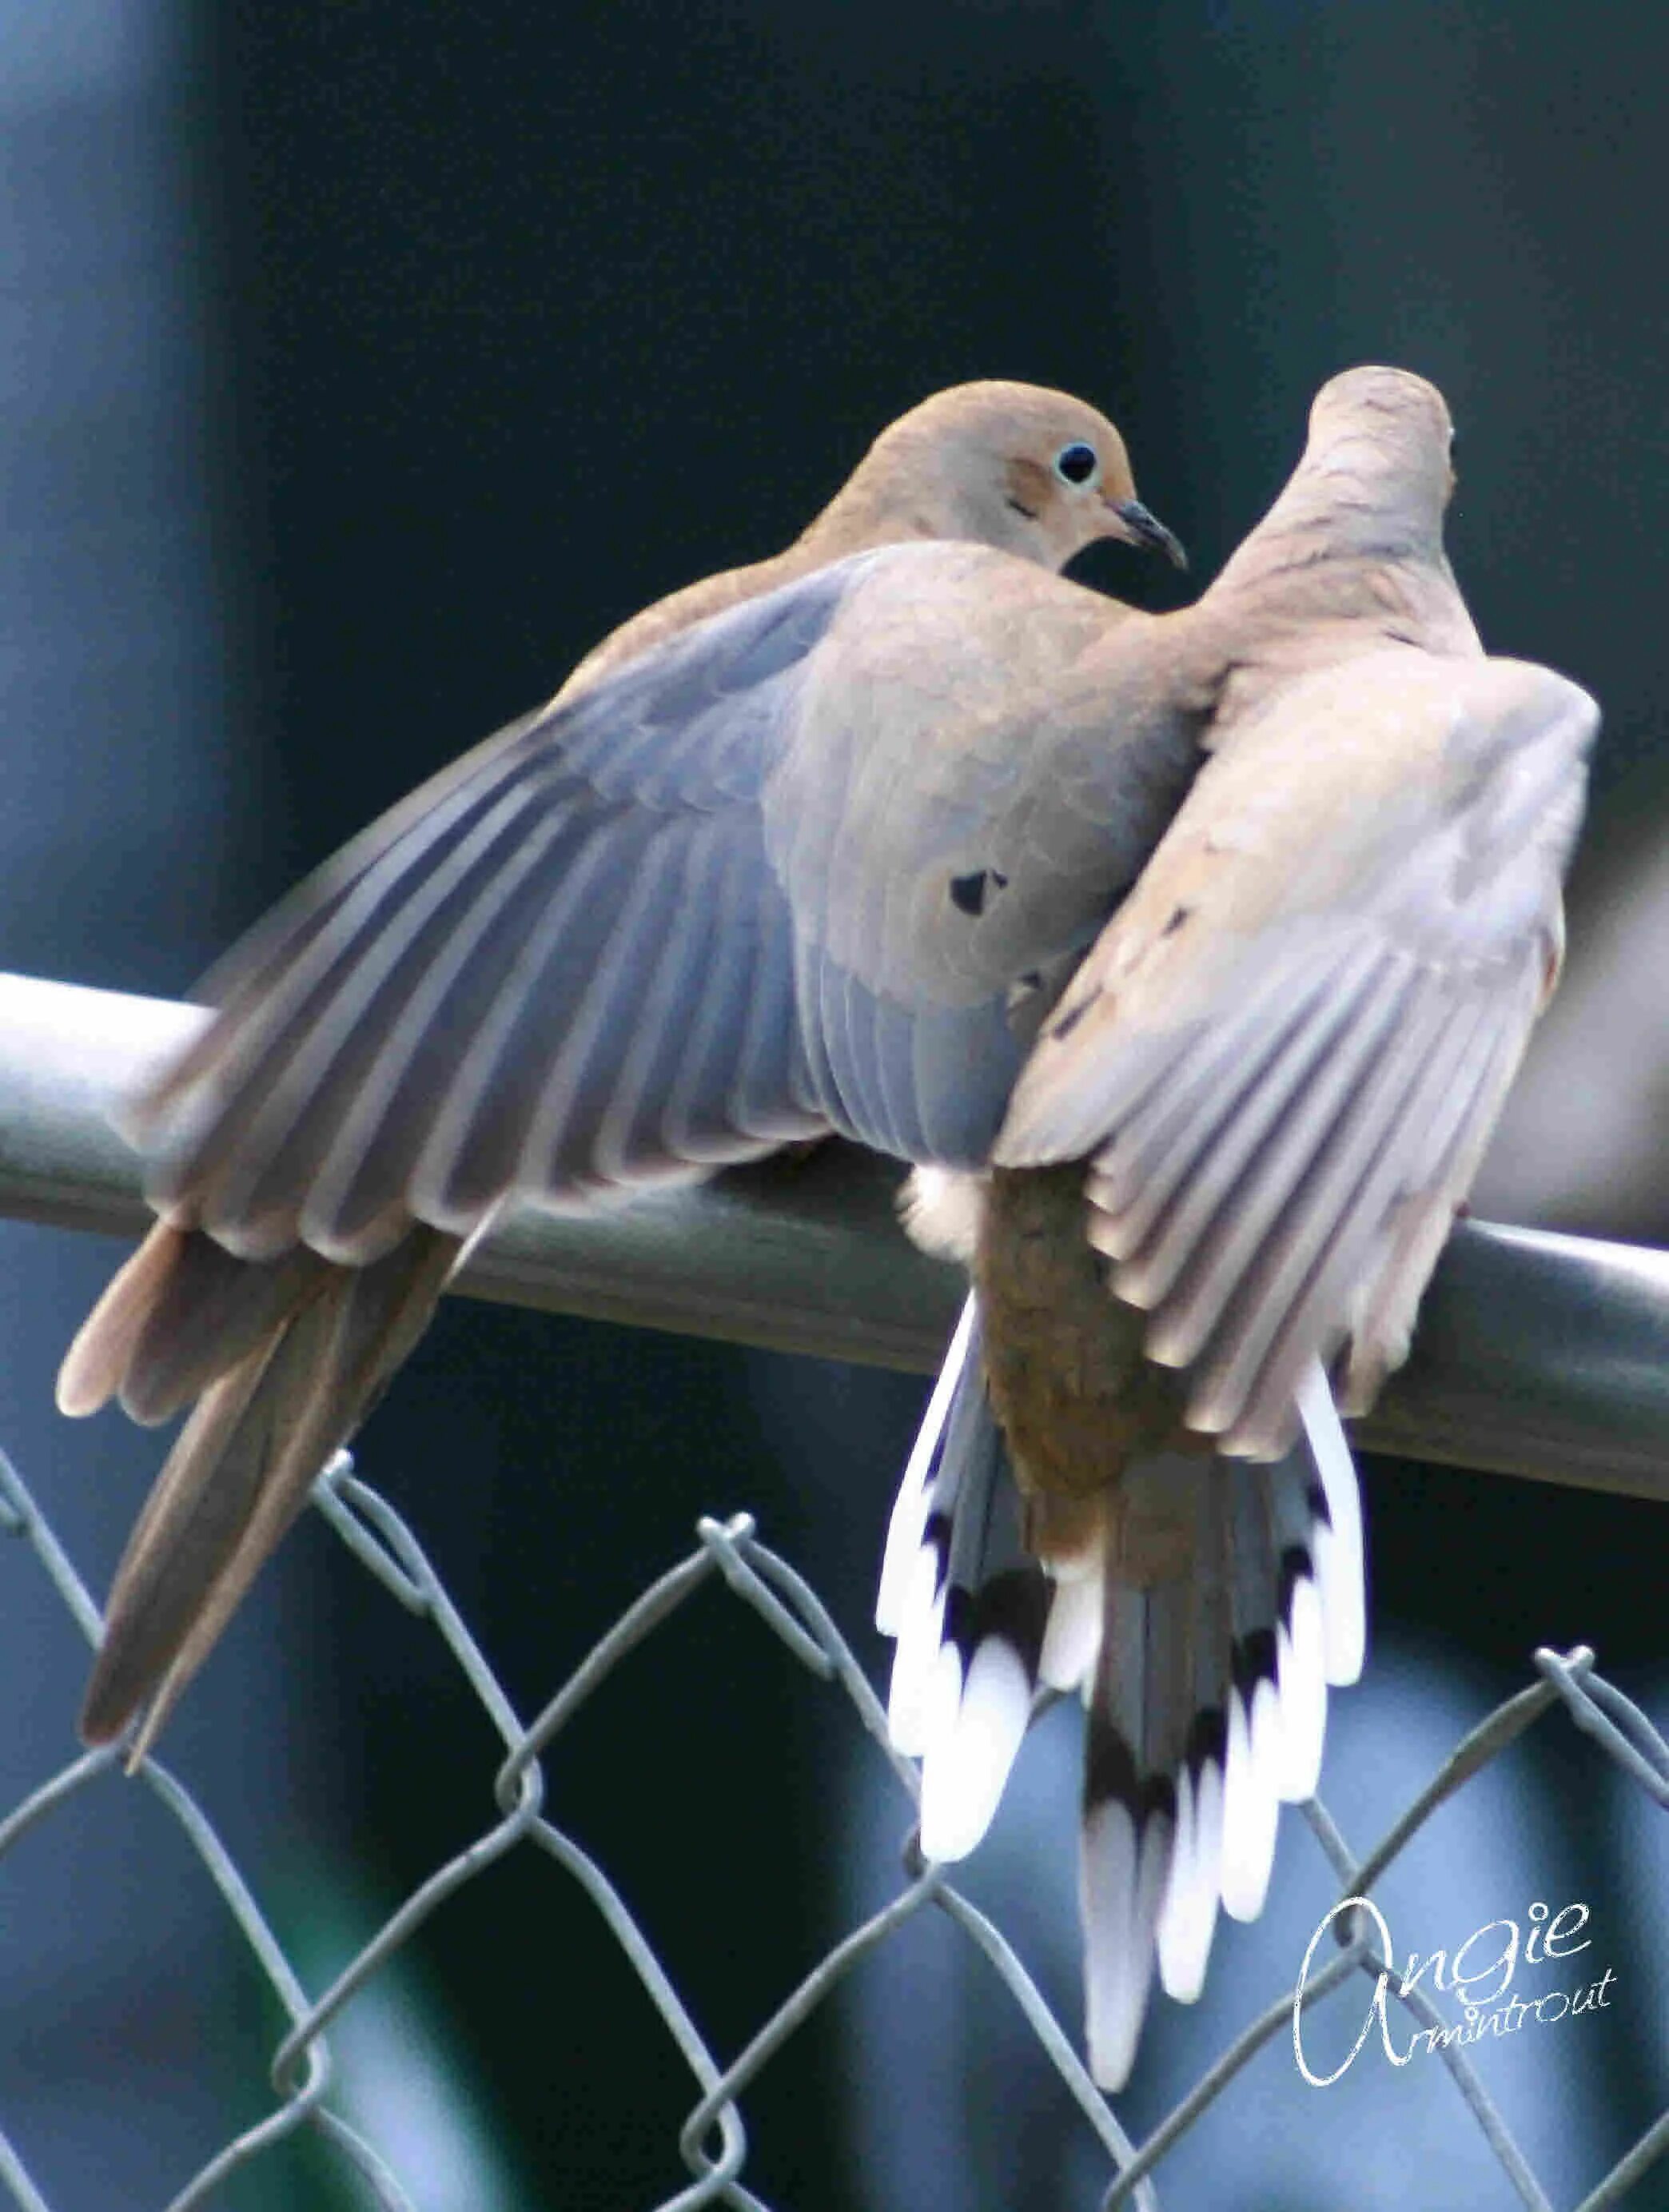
point(566, 963)
point(1192, 953)
point(1233, 1154)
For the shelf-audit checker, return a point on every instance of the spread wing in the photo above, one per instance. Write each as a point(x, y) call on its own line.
point(1284, 1055)
point(799, 868)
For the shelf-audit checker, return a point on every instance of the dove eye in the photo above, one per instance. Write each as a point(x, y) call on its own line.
point(1077, 464)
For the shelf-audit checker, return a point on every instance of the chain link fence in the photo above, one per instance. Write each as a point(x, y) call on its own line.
point(713, 2141)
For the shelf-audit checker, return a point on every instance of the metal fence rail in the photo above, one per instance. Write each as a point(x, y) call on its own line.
point(713, 2142)
point(1539, 1355)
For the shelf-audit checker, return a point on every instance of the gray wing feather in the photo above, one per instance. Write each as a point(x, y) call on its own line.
point(478, 1126)
point(441, 1012)
point(706, 906)
point(1284, 1057)
point(378, 1041)
point(386, 1118)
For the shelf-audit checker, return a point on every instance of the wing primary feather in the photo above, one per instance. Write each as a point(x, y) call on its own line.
point(700, 941)
point(213, 1311)
point(1437, 1173)
point(1191, 1313)
point(188, 1127)
point(249, 1197)
point(101, 1358)
point(767, 1096)
point(192, 1519)
point(478, 1136)
point(1169, 1216)
point(722, 1085)
point(1137, 1170)
point(573, 1094)
point(364, 1176)
point(1395, 1272)
point(243, 983)
point(1360, 1222)
point(1313, 1255)
point(1467, 1103)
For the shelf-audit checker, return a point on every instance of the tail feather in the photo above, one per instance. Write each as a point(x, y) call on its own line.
point(1336, 1532)
point(1073, 1635)
point(241, 1467)
point(1251, 1802)
point(1188, 1920)
point(217, 1310)
point(906, 1532)
point(968, 1605)
point(1263, 1629)
point(96, 1365)
point(182, 1312)
point(1203, 1606)
point(1124, 1865)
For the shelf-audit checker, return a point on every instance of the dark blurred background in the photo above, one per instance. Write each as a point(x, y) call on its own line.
point(362, 364)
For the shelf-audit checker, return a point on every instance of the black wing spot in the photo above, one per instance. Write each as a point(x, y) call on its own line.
point(1178, 917)
point(1070, 1020)
point(968, 893)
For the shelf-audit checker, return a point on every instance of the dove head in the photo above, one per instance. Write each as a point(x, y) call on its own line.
point(1356, 537)
point(1034, 473)
point(1387, 433)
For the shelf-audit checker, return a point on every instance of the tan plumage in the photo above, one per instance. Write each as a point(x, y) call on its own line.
point(976, 463)
point(1204, 945)
point(1369, 865)
point(255, 1295)
point(1233, 1153)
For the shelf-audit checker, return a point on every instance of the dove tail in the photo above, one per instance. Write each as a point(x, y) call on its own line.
point(1207, 1700)
point(969, 1607)
point(298, 1353)
point(1206, 1689)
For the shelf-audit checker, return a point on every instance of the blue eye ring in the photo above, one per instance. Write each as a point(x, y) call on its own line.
point(1077, 465)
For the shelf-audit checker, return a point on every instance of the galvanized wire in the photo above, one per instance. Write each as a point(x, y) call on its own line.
point(713, 2142)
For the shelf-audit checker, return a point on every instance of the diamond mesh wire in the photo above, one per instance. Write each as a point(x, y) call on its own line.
point(713, 2142)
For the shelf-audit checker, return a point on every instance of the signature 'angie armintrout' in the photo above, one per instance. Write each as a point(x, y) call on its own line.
point(1484, 2014)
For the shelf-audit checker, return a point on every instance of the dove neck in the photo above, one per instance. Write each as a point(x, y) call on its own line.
point(863, 514)
point(1341, 553)
point(1322, 580)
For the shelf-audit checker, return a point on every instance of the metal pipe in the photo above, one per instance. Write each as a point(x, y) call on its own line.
point(1537, 1354)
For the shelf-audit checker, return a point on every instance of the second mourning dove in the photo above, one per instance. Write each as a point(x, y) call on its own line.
point(565, 963)
point(1232, 1157)
point(1194, 952)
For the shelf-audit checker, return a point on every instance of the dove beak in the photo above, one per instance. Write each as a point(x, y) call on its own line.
point(1132, 522)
